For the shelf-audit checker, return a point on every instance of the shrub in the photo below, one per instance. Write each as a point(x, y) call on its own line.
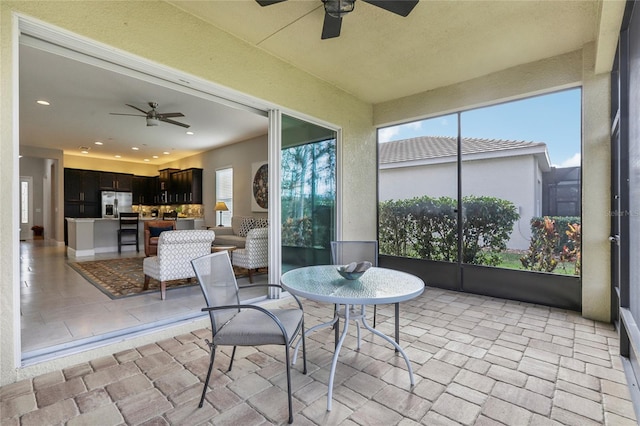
point(541, 253)
point(426, 228)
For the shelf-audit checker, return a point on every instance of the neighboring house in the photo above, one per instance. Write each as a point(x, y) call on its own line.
point(511, 170)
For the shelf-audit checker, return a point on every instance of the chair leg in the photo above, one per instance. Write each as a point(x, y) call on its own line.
point(233, 354)
point(286, 355)
point(163, 289)
point(146, 282)
point(304, 350)
point(206, 382)
point(250, 276)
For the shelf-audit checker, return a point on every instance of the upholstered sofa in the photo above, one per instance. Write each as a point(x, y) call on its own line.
point(236, 234)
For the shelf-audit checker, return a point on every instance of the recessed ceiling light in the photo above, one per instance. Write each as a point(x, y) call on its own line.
point(155, 156)
point(135, 148)
point(42, 102)
point(84, 151)
point(117, 156)
point(146, 159)
point(190, 133)
point(166, 153)
point(98, 143)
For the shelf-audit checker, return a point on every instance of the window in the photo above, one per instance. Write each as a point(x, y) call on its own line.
point(224, 193)
point(24, 202)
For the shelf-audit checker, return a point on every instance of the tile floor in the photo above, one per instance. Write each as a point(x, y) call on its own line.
point(60, 309)
point(477, 361)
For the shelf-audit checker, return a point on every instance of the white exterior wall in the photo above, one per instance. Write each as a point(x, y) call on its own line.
point(517, 179)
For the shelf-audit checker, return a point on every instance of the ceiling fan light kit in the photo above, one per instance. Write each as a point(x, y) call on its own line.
point(335, 10)
point(152, 121)
point(338, 8)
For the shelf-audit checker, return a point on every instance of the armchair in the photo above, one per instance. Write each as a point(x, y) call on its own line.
point(176, 250)
point(255, 253)
point(152, 230)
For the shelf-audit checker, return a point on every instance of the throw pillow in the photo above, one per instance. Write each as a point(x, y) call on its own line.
point(155, 231)
point(246, 225)
point(261, 222)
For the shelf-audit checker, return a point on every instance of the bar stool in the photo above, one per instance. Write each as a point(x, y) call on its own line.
point(128, 232)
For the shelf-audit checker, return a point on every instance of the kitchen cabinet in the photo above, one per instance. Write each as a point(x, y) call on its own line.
point(145, 190)
point(186, 186)
point(81, 193)
point(167, 196)
point(81, 185)
point(110, 181)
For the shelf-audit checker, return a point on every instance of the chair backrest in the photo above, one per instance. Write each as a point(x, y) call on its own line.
point(170, 215)
point(129, 221)
point(344, 252)
point(159, 224)
point(176, 250)
point(218, 284)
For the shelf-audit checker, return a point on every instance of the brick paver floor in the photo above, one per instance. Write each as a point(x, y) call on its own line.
point(477, 360)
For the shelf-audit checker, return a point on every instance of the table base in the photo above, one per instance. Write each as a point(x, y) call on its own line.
point(357, 316)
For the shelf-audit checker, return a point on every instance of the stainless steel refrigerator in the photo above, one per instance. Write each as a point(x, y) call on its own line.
point(114, 203)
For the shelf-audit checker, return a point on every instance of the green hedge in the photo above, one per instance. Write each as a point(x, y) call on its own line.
point(425, 228)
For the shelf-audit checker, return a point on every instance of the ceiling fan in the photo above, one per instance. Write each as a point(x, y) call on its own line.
point(334, 10)
point(154, 117)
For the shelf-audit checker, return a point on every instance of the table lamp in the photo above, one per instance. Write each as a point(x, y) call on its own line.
point(221, 206)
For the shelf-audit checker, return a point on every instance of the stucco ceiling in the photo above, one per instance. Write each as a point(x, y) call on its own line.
point(378, 57)
point(381, 56)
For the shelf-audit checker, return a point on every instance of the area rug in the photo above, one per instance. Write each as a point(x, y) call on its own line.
point(122, 277)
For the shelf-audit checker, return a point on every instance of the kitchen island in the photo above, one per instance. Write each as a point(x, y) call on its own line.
point(91, 236)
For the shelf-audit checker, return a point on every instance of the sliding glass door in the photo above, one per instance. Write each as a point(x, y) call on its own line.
point(308, 193)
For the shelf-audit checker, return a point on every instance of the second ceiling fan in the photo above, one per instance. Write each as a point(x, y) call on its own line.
point(154, 117)
point(335, 10)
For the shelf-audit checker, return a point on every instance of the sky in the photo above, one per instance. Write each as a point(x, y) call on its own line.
point(554, 119)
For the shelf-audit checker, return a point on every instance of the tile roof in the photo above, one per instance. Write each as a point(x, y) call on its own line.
point(426, 147)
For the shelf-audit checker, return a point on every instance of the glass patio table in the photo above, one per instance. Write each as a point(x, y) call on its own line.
point(377, 286)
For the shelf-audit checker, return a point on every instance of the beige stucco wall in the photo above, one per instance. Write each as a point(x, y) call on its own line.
point(161, 33)
point(569, 70)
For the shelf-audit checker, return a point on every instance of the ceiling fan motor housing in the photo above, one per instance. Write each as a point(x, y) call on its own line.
point(338, 8)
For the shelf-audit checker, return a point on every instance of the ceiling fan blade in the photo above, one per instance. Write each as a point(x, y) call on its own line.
point(331, 27)
point(170, 114)
point(399, 7)
point(133, 115)
point(135, 107)
point(268, 2)
point(166, 120)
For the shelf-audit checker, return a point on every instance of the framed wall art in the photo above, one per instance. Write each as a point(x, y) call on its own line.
point(260, 186)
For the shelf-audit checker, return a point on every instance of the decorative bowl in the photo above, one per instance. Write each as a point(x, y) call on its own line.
point(354, 270)
point(350, 275)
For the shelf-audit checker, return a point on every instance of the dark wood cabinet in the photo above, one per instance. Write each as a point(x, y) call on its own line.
point(110, 181)
point(186, 186)
point(81, 193)
point(166, 192)
point(81, 185)
point(145, 190)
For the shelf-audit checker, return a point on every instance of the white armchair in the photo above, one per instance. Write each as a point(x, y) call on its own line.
point(255, 253)
point(176, 250)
